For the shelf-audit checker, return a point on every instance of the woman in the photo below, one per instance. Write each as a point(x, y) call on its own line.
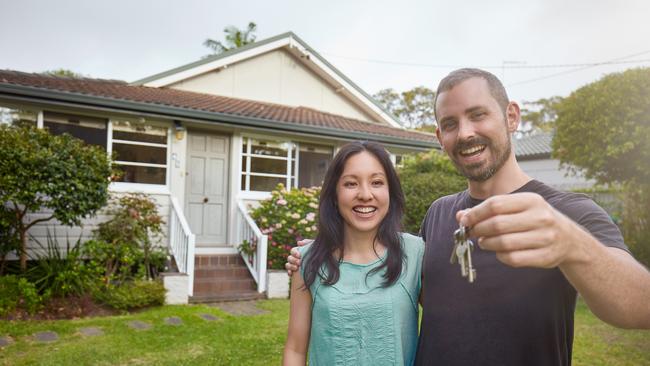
point(355, 298)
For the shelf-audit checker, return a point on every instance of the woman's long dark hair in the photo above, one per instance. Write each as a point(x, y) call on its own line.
point(320, 262)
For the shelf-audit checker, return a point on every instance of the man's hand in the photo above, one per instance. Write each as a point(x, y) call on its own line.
point(523, 230)
point(293, 261)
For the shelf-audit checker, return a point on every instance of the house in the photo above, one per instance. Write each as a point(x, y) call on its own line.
point(533, 154)
point(206, 138)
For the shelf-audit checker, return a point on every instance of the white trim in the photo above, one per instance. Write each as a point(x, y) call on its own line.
point(210, 66)
point(39, 120)
point(135, 163)
point(253, 195)
point(139, 188)
point(270, 175)
point(127, 142)
point(235, 184)
point(215, 250)
point(265, 156)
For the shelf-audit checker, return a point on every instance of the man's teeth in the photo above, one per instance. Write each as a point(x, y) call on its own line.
point(472, 150)
point(365, 209)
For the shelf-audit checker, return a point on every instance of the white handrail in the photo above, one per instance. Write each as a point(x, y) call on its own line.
point(256, 262)
point(182, 242)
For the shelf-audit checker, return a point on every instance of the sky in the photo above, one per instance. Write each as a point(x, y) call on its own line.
point(532, 46)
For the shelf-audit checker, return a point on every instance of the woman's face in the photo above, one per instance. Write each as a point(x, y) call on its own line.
point(362, 193)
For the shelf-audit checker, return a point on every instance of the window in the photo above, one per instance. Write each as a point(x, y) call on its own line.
point(313, 163)
point(267, 163)
point(11, 116)
point(91, 130)
point(140, 152)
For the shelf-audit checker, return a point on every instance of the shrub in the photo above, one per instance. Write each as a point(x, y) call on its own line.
point(636, 221)
point(286, 217)
point(16, 293)
point(9, 238)
point(61, 273)
point(425, 177)
point(123, 246)
point(131, 295)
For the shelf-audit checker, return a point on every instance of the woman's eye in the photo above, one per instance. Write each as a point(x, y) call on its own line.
point(378, 183)
point(349, 184)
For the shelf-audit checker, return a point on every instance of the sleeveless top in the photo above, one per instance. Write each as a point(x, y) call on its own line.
point(358, 322)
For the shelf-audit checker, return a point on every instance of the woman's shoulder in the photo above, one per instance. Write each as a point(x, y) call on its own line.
point(412, 244)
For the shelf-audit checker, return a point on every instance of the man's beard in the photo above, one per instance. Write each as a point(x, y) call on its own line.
point(482, 171)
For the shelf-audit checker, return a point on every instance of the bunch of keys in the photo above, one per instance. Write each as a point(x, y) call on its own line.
point(462, 252)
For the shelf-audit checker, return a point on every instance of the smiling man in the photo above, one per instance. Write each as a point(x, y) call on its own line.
point(537, 247)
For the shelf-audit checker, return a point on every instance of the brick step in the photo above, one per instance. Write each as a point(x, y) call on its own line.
point(222, 272)
point(231, 296)
point(212, 286)
point(216, 261)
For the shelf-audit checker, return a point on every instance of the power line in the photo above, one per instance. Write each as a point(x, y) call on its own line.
point(618, 61)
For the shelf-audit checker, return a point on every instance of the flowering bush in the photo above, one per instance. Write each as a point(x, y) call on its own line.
point(286, 217)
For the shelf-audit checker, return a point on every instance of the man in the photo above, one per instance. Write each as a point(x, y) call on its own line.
point(535, 247)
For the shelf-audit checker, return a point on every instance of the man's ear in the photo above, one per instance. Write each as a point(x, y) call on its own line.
point(438, 135)
point(513, 116)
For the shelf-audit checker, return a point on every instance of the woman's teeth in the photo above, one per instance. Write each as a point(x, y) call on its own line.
point(364, 209)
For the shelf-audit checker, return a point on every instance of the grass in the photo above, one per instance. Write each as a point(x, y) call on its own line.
point(242, 340)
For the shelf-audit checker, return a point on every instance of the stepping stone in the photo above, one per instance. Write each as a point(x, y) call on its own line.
point(91, 331)
point(208, 317)
point(173, 320)
point(239, 308)
point(46, 337)
point(5, 341)
point(139, 325)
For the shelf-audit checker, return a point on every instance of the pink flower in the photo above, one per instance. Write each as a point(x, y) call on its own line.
point(278, 225)
point(290, 231)
point(310, 216)
point(295, 216)
point(281, 202)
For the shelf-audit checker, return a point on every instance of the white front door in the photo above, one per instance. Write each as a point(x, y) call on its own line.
point(207, 187)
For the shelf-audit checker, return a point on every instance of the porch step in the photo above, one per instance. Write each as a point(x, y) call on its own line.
point(222, 277)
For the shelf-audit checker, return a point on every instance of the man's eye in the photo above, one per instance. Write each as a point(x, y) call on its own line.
point(478, 115)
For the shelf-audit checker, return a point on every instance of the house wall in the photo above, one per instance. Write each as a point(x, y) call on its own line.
point(274, 77)
point(549, 172)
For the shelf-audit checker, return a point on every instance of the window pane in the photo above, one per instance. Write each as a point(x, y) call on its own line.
point(140, 154)
point(142, 174)
point(130, 131)
point(265, 184)
point(314, 161)
point(90, 130)
point(243, 182)
point(21, 117)
point(270, 148)
point(269, 166)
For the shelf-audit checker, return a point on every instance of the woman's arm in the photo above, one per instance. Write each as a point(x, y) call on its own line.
point(295, 350)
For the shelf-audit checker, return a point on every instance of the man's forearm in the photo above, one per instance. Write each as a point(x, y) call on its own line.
point(614, 285)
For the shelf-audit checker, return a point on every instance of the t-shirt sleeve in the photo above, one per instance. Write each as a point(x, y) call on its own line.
point(412, 279)
point(596, 221)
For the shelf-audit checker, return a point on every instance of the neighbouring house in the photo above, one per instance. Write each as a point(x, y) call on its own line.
point(533, 154)
point(208, 138)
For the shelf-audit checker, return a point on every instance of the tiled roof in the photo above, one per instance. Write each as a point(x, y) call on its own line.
point(122, 91)
point(533, 146)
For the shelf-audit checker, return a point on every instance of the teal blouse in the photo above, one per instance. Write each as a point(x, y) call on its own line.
point(358, 322)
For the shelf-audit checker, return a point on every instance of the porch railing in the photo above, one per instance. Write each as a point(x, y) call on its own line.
point(181, 242)
point(255, 256)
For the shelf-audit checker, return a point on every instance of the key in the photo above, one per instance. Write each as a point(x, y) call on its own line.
point(462, 253)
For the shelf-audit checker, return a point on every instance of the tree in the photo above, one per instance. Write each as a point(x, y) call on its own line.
point(235, 38)
point(539, 115)
point(603, 129)
point(426, 177)
point(414, 108)
point(63, 72)
point(57, 173)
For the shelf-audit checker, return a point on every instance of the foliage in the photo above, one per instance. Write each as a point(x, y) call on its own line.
point(9, 239)
point(234, 38)
point(539, 115)
point(414, 108)
point(58, 173)
point(286, 217)
point(61, 273)
point(63, 72)
point(123, 246)
point(131, 294)
point(426, 177)
point(17, 292)
point(604, 128)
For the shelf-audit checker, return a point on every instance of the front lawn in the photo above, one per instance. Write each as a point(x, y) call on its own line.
point(240, 340)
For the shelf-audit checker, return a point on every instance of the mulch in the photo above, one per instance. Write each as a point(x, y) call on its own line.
point(73, 307)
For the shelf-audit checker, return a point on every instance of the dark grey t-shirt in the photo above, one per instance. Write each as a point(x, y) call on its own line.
point(508, 316)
